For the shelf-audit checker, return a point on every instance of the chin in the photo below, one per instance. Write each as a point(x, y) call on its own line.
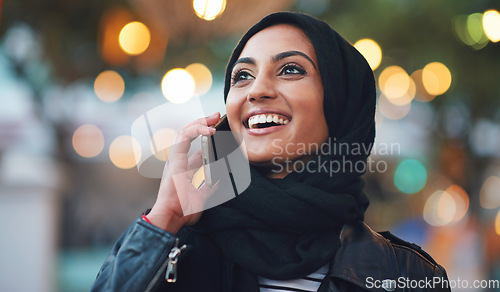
point(262, 160)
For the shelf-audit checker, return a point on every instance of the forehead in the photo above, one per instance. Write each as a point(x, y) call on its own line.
point(278, 38)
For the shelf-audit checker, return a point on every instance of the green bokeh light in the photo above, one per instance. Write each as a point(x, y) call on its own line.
point(410, 176)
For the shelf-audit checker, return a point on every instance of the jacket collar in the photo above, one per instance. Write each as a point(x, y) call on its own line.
point(363, 255)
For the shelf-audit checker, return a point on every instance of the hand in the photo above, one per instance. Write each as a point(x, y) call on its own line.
point(176, 187)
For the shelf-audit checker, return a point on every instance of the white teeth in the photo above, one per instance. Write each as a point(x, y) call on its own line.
point(262, 119)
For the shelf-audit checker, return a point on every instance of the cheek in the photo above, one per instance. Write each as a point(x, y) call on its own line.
point(309, 103)
point(233, 113)
point(312, 117)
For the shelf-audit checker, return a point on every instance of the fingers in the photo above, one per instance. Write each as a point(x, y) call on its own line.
point(206, 121)
point(194, 129)
point(195, 161)
point(178, 159)
point(192, 132)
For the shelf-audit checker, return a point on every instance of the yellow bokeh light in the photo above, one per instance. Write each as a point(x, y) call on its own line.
point(461, 200)
point(371, 51)
point(489, 196)
point(421, 94)
point(396, 85)
point(202, 78)
point(439, 209)
point(88, 141)
point(436, 78)
point(112, 23)
point(161, 142)
point(134, 38)
point(178, 86)
point(125, 152)
point(497, 223)
point(408, 96)
point(209, 9)
point(109, 86)
point(446, 208)
point(491, 25)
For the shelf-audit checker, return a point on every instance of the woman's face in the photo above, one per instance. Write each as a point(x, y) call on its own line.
point(275, 102)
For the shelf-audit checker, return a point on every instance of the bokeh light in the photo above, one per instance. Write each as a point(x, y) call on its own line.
point(125, 152)
point(408, 96)
point(436, 78)
point(161, 142)
point(461, 201)
point(497, 223)
point(202, 78)
point(178, 86)
point(88, 141)
point(392, 111)
point(134, 38)
point(469, 29)
point(421, 93)
point(491, 25)
point(109, 86)
point(371, 51)
point(396, 85)
point(489, 196)
point(111, 24)
point(475, 26)
point(410, 176)
point(209, 9)
point(439, 209)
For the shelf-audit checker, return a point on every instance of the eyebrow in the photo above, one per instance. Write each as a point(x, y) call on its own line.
point(245, 60)
point(276, 58)
point(287, 54)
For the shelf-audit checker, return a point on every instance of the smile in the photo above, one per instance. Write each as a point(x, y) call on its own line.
point(266, 120)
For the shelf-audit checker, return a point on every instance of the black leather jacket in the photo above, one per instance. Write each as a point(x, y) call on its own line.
point(366, 261)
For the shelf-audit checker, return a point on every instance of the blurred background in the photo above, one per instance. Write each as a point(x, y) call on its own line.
point(75, 75)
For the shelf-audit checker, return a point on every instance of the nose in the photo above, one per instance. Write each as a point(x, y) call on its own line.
point(263, 87)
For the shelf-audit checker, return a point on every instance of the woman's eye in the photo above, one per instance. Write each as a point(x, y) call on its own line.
point(241, 76)
point(292, 69)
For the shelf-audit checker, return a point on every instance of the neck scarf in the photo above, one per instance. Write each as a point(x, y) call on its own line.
point(288, 228)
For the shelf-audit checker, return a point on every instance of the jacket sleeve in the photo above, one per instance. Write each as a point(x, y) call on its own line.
point(441, 279)
point(137, 261)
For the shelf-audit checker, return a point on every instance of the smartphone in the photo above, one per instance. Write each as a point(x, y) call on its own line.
point(209, 153)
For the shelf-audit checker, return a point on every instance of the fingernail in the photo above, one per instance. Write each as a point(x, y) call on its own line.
point(213, 115)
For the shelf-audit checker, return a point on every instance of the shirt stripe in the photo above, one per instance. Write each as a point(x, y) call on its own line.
point(309, 283)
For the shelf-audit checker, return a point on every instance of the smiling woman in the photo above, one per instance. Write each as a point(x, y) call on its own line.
point(276, 79)
point(292, 83)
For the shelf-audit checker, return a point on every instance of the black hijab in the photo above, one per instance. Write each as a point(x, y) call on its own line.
point(288, 228)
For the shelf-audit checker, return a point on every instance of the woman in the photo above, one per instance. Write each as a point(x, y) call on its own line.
point(291, 82)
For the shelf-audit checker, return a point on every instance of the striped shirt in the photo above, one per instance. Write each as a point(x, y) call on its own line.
point(309, 283)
